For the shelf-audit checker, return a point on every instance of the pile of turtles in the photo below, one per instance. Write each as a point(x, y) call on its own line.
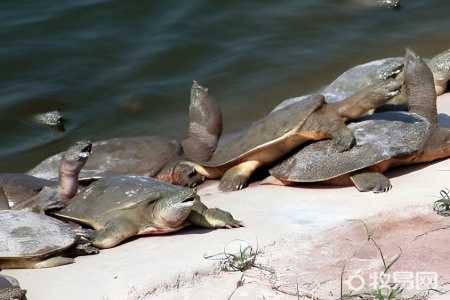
point(96, 195)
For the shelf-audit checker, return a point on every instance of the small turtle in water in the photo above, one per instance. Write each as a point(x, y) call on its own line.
point(30, 240)
point(239, 154)
point(23, 189)
point(383, 140)
point(52, 118)
point(119, 207)
point(153, 156)
point(10, 289)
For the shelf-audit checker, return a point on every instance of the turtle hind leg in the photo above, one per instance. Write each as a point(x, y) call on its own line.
point(206, 217)
point(116, 232)
point(371, 181)
point(27, 263)
point(236, 178)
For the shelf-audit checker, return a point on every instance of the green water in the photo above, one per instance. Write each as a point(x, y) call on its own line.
point(124, 68)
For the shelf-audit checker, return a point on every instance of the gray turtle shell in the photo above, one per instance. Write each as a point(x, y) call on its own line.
point(353, 80)
point(112, 193)
point(142, 155)
point(235, 146)
point(26, 234)
point(378, 137)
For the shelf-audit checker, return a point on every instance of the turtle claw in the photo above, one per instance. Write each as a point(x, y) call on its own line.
point(371, 181)
point(218, 218)
point(233, 183)
point(234, 224)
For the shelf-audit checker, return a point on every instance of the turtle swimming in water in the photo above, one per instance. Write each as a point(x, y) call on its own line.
point(32, 241)
point(235, 157)
point(118, 207)
point(153, 156)
point(383, 141)
point(22, 190)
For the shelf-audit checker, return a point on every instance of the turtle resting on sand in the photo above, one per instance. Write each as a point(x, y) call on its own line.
point(383, 140)
point(30, 240)
point(153, 156)
point(239, 154)
point(119, 207)
point(10, 289)
point(21, 189)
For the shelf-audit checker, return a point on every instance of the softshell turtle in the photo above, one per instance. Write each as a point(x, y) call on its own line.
point(361, 76)
point(119, 207)
point(153, 156)
point(239, 154)
point(384, 140)
point(22, 188)
point(10, 289)
point(30, 240)
point(51, 118)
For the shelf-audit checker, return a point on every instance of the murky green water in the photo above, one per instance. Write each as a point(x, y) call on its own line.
point(124, 68)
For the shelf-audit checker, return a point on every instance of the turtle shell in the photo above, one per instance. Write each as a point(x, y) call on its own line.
point(20, 187)
point(273, 128)
point(26, 234)
point(354, 80)
point(360, 77)
point(112, 193)
point(378, 137)
point(142, 155)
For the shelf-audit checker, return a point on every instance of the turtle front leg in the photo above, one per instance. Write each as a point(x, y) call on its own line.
point(115, 232)
point(368, 99)
point(343, 137)
point(203, 216)
point(236, 178)
point(371, 181)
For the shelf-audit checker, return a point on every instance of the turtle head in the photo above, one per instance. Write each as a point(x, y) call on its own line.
point(172, 210)
point(71, 164)
point(182, 173)
point(420, 88)
point(440, 66)
point(205, 124)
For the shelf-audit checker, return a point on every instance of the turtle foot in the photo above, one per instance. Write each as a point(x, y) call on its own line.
point(236, 178)
point(371, 181)
point(233, 183)
point(222, 219)
point(54, 262)
point(344, 140)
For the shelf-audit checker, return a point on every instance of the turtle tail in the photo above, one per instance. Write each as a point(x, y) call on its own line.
point(205, 125)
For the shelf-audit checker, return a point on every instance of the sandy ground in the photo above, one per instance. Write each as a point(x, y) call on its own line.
point(304, 236)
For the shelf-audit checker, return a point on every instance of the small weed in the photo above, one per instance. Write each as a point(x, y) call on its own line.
point(240, 259)
point(378, 293)
point(442, 206)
